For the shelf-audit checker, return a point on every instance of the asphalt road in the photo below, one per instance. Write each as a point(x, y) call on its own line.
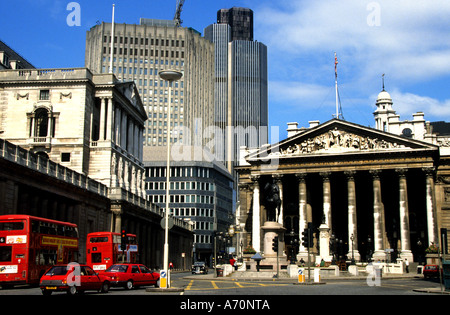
point(192, 285)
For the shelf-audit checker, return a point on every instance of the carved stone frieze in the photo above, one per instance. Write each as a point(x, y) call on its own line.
point(338, 141)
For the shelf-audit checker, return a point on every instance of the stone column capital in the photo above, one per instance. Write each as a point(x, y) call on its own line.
point(301, 177)
point(375, 173)
point(350, 174)
point(401, 172)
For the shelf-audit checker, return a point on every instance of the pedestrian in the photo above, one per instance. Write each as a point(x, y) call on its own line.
point(170, 265)
point(407, 265)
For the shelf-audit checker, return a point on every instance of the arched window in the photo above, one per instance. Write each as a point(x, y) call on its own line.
point(41, 123)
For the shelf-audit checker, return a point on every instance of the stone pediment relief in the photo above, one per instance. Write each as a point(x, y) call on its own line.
point(337, 141)
point(338, 137)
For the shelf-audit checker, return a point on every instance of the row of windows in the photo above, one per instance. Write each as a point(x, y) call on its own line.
point(188, 171)
point(180, 186)
point(145, 52)
point(144, 61)
point(192, 212)
point(145, 41)
point(183, 199)
point(202, 239)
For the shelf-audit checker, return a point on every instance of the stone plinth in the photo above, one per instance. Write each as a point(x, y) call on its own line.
point(270, 230)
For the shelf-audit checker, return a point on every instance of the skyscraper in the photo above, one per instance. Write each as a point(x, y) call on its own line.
point(140, 52)
point(240, 21)
point(241, 97)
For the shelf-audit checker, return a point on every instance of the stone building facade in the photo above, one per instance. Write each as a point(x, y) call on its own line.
point(74, 153)
point(372, 191)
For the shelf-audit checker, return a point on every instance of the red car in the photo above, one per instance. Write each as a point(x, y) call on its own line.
point(431, 271)
point(131, 275)
point(73, 278)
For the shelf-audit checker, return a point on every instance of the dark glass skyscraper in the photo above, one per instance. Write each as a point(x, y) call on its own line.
point(241, 91)
point(240, 21)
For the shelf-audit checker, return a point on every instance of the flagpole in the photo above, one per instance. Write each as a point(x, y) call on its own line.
point(335, 81)
point(112, 42)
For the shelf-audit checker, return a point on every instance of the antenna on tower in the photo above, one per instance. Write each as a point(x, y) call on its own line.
point(177, 17)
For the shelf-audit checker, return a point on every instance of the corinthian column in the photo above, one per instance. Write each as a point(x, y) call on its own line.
point(327, 199)
point(378, 217)
point(256, 219)
point(430, 206)
point(352, 221)
point(404, 216)
point(302, 210)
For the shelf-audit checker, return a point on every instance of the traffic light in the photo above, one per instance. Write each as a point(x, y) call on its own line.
point(307, 239)
point(275, 244)
point(123, 240)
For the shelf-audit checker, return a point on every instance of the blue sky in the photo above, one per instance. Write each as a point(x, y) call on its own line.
point(407, 40)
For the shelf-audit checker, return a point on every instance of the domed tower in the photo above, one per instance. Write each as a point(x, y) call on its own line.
point(384, 110)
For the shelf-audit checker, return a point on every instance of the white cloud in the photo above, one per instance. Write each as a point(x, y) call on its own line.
point(411, 42)
point(408, 103)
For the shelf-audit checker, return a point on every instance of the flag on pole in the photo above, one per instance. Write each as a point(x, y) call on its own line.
point(335, 64)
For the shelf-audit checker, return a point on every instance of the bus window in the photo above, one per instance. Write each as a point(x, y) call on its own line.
point(5, 253)
point(96, 257)
point(99, 239)
point(11, 226)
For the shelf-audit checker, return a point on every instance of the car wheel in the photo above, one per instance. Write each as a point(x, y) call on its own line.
point(105, 287)
point(157, 284)
point(129, 285)
point(72, 290)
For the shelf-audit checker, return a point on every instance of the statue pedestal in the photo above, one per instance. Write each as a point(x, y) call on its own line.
point(270, 230)
point(324, 238)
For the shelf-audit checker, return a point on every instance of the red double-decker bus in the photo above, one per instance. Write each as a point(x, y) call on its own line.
point(30, 245)
point(103, 250)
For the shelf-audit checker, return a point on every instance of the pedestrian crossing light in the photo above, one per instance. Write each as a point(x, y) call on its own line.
point(275, 244)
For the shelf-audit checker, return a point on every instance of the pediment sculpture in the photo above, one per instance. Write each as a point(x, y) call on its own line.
point(336, 140)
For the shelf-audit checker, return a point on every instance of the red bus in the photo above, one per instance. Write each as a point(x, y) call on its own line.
point(30, 245)
point(103, 250)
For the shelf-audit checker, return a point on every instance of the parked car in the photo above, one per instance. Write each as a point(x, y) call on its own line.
point(131, 275)
point(199, 267)
point(431, 271)
point(73, 278)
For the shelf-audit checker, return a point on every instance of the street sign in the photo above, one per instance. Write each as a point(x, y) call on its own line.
point(163, 279)
point(170, 224)
point(301, 276)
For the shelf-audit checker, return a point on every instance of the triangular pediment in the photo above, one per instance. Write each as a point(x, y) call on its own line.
point(337, 137)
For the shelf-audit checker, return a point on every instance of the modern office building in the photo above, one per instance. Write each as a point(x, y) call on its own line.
point(140, 52)
point(241, 97)
point(240, 21)
point(200, 192)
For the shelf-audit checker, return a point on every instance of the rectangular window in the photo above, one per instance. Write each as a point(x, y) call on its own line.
point(44, 95)
point(65, 157)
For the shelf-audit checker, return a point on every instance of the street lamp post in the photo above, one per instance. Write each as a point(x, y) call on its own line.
point(170, 76)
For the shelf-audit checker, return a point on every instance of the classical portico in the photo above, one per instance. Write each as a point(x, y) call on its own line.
point(372, 190)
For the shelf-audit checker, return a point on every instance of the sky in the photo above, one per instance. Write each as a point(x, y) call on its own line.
point(406, 40)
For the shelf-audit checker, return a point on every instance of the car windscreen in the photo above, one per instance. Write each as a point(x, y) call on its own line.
point(117, 268)
point(57, 271)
